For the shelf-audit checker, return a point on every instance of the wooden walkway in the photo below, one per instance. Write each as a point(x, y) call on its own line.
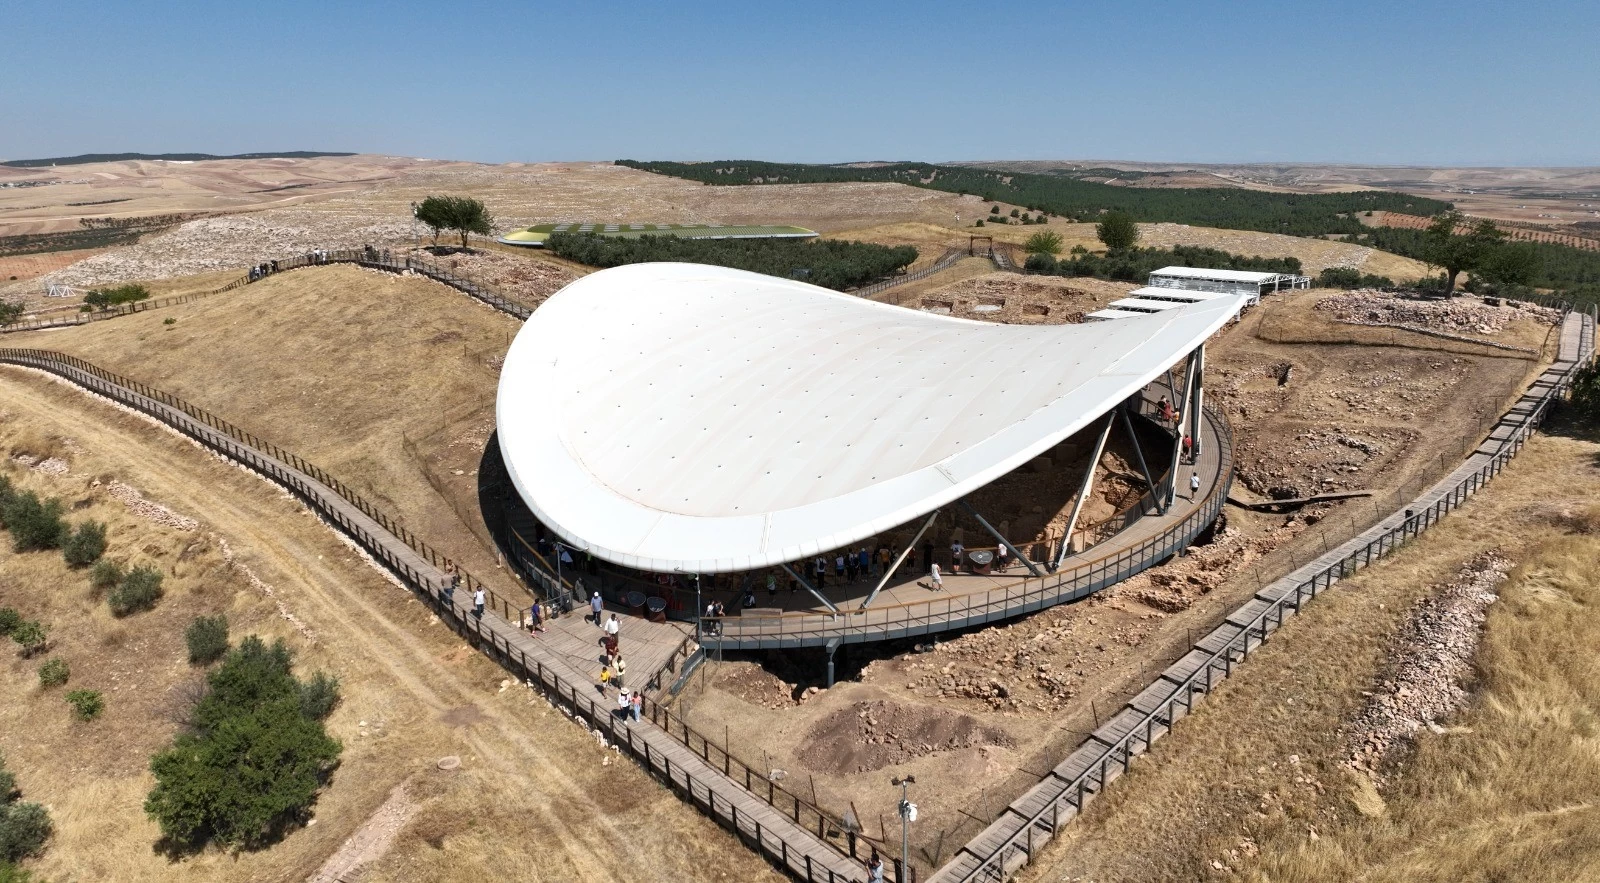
point(1031, 820)
point(785, 838)
point(907, 608)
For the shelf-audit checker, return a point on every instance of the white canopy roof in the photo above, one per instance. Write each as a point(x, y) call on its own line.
point(687, 417)
point(1217, 275)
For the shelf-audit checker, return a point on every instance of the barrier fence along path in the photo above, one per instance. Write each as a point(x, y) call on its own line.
point(787, 830)
point(1032, 819)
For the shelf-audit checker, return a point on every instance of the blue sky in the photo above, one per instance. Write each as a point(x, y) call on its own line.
point(1415, 82)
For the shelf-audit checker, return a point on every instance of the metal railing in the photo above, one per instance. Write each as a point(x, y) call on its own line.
point(280, 465)
point(1025, 596)
point(1116, 757)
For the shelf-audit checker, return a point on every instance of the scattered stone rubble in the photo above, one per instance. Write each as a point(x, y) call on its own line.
point(1457, 315)
point(146, 509)
point(1430, 663)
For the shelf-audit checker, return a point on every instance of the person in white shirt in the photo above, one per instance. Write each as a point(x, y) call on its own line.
point(1194, 485)
point(933, 574)
point(477, 603)
point(612, 626)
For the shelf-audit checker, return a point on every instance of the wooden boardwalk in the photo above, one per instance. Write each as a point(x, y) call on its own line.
point(906, 608)
point(1032, 819)
point(785, 837)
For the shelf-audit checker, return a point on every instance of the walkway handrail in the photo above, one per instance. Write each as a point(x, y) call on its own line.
point(1013, 598)
point(118, 387)
point(1143, 731)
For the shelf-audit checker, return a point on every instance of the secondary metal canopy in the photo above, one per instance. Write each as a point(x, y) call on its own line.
point(686, 417)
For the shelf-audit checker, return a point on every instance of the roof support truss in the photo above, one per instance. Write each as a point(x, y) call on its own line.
point(900, 559)
point(1032, 568)
point(1144, 468)
point(814, 593)
point(1083, 492)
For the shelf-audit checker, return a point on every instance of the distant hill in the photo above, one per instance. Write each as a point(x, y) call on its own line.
point(83, 158)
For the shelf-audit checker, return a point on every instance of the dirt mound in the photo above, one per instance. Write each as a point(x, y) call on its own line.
point(526, 279)
point(872, 735)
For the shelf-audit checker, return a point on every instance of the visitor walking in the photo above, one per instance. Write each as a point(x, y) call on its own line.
point(622, 669)
point(451, 580)
point(478, 598)
point(605, 678)
point(933, 575)
point(624, 702)
point(864, 561)
point(596, 605)
point(1194, 485)
point(822, 572)
point(612, 626)
point(875, 870)
point(956, 551)
point(1188, 448)
point(535, 618)
point(638, 704)
point(610, 644)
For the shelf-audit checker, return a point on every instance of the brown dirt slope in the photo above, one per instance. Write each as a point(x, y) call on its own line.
point(535, 797)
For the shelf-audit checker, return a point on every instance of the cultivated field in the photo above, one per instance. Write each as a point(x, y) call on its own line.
point(534, 799)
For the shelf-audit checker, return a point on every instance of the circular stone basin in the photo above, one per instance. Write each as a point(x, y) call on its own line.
point(449, 762)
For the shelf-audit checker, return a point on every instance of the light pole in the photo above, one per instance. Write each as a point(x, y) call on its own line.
point(908, 814)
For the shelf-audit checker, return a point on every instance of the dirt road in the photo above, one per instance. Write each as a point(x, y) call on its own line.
point(534, 799)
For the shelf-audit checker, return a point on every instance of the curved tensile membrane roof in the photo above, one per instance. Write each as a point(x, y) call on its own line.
point(686, 417)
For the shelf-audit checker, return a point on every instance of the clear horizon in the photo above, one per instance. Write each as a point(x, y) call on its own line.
point(1485, 84)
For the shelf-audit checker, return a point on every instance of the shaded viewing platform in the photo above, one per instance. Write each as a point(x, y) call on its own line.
point(792, 614)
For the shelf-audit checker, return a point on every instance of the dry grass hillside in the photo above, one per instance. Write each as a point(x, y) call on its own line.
point(534, 798)
point(1255, 785)
point(386, 382)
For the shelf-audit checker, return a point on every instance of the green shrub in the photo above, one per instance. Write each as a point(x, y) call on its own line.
point(1039, 262)
point(34, 524)
point(207, 638)
point(85, 545)
point(31, 635)
point(10, 873)
point(106, 573)
point(54, 673)
point(86, 704)
point(169, 321)
point(9, 620)
point(1043, 242)
point(7, 494)
point(979, 223)
point(1346, 277)
point(139, 590)
point(8, 784)
point(1015, 212)
point(994, 210)
point(106, 298)
point(1117, 231)
point(24, 828)
point(319, 696)
point(252, 764)
point(830, 263)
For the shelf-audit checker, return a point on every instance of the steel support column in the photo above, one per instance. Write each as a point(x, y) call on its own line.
point(1144, 468)
point(1197, 393)
point(1003, 541)
point(900, 559)
point(814, 593)
point(1083, 492)
point(1171, 491)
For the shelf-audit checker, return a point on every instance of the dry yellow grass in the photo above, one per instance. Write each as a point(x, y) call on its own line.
point(1508, 792)
point(1257, 769)
point(386, 382)
point(535, 798)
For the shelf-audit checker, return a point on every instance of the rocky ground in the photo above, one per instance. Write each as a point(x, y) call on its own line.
point(1458, 315)
point(1430, 664)
point(1022, 300)
point(525, 279)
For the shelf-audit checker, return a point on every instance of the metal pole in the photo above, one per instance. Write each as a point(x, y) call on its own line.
point(1083, 492)
point(1171, 490)
point(814, 593)
point(1003, 541)
point(1144, 467)
point(1198, 392)
point(899, 560)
